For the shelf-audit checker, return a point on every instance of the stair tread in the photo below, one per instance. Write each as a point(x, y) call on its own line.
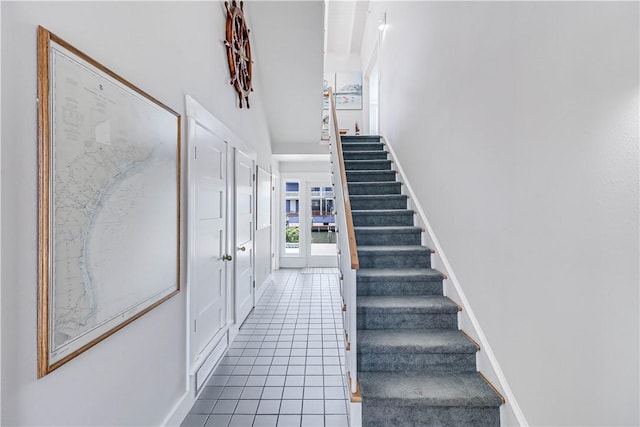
point(388, 228)
point(404, 304)
point(405, 248)
point(428, 388)
point(366, 151)
point(363, 171)
point(367, 160)
point(377, 196)
point(381, 211)
point(414, 341)
point(410, 274)
point(363, 183)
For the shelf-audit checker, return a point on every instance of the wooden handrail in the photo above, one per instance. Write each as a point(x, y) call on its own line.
point(351, 235)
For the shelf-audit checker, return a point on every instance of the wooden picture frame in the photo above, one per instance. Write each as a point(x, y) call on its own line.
point(109, 202)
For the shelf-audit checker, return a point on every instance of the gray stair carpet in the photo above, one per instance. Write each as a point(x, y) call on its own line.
point(414, 366)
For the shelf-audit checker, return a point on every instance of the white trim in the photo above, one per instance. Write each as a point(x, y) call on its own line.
point(510, 412)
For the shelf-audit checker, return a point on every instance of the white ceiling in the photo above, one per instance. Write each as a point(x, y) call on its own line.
point(345, 26)
point(288, 44)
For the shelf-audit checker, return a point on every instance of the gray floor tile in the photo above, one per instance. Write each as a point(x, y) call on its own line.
point(275, 380)
point(280, 360)
point(246, 360)
point(335, 407)
point(241, 420)
point(263, 360)
point(336, 421)
point(332, 370)
point(218, 380)
point(251, 393)
point(260, 370)
point(211, 393)
point(250, 352)
point(237, 380)
point(315, 406)
point(314, 380)
point(289, 421)
point(333, 381)
point(312, 420)
point(265, 421)
point(292, 392)
point(242, 370)
point(218, 420)
point(247, 406)
point(314, 370)
point(231, 393)
point(256, 380)
point(294, 381)
point(291, 406)
point(278, 370)
point(272, 393)
point(194, 420)
point(202, 406)
point(269, 407)
point(296, 370)
point(313, 392)
point(223, 370)
point(224, 407)
point(334, 393)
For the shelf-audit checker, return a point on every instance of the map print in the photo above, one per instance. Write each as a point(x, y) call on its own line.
point(114, 204)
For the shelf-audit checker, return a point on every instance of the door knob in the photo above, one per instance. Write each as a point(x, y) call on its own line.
point(227, 257)
point(242, 248)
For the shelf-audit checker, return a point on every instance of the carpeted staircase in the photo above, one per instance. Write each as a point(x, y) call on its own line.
point(415, 367)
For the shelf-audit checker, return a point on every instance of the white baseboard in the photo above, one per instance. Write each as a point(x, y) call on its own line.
point(510, 412)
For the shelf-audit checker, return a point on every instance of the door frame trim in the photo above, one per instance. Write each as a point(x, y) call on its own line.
point(196, 113)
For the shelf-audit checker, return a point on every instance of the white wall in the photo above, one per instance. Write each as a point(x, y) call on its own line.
point(136, 376)
point(517, 124)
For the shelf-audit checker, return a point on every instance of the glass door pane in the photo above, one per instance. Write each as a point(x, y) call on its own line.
point(323, 223)
point(292, 217)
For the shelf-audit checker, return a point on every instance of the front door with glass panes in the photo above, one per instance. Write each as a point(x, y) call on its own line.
point(309, 233)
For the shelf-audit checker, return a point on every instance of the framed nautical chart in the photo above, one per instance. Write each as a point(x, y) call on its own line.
point(109, 211)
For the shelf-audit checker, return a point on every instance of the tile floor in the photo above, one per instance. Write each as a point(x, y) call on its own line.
point(285, 366)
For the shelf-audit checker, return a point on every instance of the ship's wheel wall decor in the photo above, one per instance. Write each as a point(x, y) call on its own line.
point(238, 51)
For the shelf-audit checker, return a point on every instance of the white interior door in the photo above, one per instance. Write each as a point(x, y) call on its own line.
point(244, 275)
point(208, 269)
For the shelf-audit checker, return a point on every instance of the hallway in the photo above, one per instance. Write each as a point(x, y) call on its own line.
point(285, 366)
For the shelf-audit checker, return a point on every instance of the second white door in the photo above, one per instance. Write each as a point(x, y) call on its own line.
point(244, 279)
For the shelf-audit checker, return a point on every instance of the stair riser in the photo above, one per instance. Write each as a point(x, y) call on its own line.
point(407, 320)
point(362, 146)
point(360, 138)
point(387, 288)
point(424, 362)
point(387, 239)
point(410, 260)
point(375, 165)
point(363, 155)
point(371, 176)
point(358, 203)
point(369, 220)
point(378, 188)
point(385, 413)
